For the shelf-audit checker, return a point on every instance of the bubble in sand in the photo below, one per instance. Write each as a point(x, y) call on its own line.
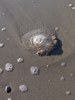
point(1, 45)
point(8, 89)
point(23, 88)
point(40, 41)
point(9, 67)
point(34, 70)
point(3, 29)
point(20, 60)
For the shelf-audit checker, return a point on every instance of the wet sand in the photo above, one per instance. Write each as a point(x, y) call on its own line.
point(22, 16)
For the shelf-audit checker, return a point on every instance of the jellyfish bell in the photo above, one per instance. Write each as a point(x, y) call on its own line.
point(41, 41)
point(37, 40)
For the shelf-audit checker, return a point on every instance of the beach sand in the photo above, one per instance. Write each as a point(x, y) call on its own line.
point(21, 17)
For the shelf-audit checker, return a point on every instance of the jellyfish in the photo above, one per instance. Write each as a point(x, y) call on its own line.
point(41, 41)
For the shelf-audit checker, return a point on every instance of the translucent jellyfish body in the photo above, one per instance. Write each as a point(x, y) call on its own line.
point(41, 41)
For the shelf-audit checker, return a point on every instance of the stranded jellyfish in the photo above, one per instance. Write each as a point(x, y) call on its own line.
point(41, 41)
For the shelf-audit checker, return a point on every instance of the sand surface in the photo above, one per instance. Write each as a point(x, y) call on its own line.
point(22, 16)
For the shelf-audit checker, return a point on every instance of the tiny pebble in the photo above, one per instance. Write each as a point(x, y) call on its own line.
point(20, 60)
point(1, 71)
point(34, 70)
point(56, 28)
point(73, 8)
point(9, 98)
point(1, 45)
point(9, 67)
point(70, 5)
point(3, 29)
point(63, 64)
point(62, 78)
point(68, 93)
point(23, 88)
